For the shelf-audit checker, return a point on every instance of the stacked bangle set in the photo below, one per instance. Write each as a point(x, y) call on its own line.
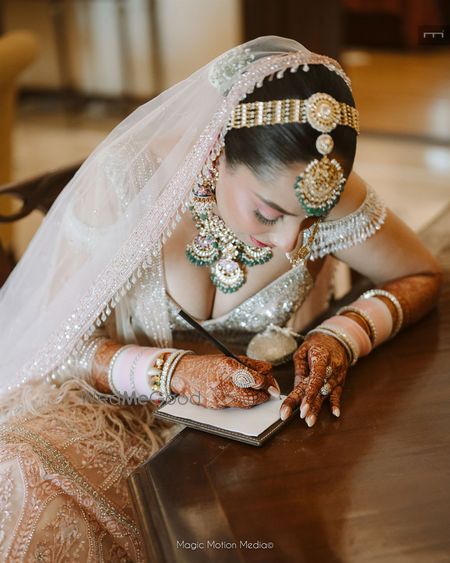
point(374, 314)
point(143, 371)
point(147, 372)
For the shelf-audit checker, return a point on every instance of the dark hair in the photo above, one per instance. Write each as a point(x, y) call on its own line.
point(266, 150)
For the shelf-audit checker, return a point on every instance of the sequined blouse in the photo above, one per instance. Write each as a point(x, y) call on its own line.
point(275, 303)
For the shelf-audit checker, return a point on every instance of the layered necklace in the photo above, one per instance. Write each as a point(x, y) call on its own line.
point(216, 245)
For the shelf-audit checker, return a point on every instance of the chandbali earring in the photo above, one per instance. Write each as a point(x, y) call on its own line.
point(319, 187)
point(216, 245)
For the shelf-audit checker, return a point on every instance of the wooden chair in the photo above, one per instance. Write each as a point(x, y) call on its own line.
point(18, 49)
point(37, 193)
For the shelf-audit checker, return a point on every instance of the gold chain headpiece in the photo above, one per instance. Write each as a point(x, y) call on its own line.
point(319, 187)
point(291, 110)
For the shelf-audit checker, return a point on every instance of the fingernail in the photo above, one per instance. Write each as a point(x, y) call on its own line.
point(304, 410)
point(336, 411)
point(310, 420)
point(285, 412)
point(274, 392)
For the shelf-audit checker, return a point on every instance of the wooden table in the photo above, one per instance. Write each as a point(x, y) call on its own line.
point(370, 486)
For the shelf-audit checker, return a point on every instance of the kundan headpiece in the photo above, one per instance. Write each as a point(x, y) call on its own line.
point(318, 188)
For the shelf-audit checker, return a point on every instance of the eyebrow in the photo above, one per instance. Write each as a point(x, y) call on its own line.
point(275, 206)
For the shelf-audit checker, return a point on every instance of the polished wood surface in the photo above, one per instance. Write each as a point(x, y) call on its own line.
point(370, 486)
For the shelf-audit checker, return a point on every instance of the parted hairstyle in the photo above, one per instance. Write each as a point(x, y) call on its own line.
point(268, 149)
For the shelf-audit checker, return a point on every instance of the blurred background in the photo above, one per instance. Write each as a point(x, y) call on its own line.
point(70, 70)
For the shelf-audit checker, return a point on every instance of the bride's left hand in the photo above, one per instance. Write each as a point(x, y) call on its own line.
point(320, 360)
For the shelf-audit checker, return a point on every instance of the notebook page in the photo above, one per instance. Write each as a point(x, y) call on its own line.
point(251, 422)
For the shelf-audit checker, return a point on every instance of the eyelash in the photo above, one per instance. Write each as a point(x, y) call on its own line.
point(263, 219)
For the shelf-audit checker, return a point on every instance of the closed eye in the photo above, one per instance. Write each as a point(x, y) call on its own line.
point(264, 220)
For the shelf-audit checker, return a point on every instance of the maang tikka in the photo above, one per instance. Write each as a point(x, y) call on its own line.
point(216, 245)
point(319, 187)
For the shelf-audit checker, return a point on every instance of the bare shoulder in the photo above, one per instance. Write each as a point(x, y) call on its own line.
point(352, 197)
point(392, 252)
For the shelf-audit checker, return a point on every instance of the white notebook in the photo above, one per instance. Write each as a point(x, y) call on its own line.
point(252, 426)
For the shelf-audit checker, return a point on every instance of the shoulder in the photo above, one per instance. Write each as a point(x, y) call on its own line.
point(352, 197)
point(359, 214)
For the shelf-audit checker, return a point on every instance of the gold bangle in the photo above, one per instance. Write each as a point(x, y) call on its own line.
point(370, 324)
point(345, 340)
point(393, 300)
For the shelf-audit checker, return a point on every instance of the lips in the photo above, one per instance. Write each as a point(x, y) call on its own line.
point(257, 242)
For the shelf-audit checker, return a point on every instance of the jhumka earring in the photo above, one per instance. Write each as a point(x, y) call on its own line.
point(216, 245)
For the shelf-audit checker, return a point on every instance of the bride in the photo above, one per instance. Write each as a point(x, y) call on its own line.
point(224, 196)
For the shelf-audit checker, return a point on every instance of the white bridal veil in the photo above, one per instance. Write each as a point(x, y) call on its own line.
point(107, 226)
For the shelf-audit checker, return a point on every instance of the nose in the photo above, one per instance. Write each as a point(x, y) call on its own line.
point(286, 235)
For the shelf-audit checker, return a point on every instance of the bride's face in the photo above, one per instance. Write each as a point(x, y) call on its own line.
point(260, 212)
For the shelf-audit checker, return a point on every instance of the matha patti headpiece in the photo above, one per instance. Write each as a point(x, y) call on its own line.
point(319, 187)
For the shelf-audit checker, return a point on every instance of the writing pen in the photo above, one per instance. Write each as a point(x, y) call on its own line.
point(198, 327)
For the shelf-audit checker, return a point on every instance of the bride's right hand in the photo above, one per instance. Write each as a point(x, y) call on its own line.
point(208, 381)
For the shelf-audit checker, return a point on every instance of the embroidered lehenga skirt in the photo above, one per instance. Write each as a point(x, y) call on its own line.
point(64, 461)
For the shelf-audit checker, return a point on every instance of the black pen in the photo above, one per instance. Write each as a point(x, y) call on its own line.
point(198, 327)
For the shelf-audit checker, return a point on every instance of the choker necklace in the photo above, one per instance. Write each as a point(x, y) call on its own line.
point(216, 245)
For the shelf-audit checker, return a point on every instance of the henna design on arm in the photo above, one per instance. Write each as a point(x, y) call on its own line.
point(417, 295)
point(100, 365)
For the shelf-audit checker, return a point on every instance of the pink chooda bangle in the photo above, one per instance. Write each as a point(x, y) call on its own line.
point(120, 370)
point(130, 368)
point(380, 315)
point(352, 328)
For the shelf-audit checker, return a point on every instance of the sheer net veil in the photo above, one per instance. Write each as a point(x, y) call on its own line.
point(108, 225)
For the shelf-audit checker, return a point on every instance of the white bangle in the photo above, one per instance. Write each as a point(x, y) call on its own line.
point(132, 370)
point(111, 367)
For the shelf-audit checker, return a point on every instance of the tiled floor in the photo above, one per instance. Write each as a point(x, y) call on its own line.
point(404, 149)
